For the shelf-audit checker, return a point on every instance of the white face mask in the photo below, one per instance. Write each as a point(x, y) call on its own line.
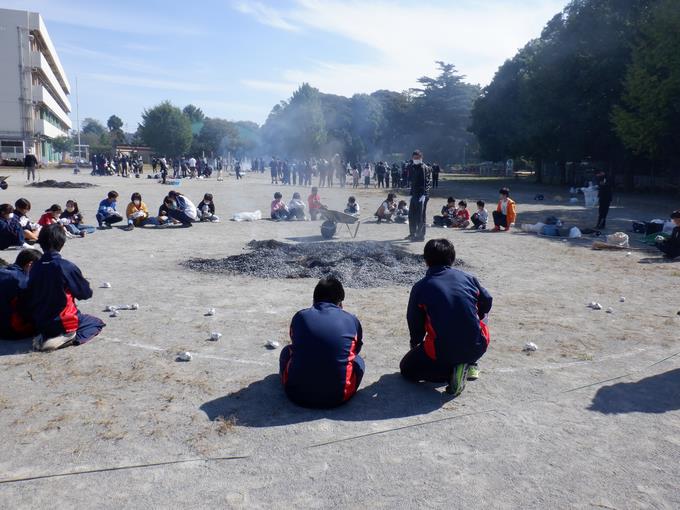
point(137, 202)
point(417, 161)
point(11, 215)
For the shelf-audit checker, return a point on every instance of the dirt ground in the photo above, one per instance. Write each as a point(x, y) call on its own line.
point(590, 420)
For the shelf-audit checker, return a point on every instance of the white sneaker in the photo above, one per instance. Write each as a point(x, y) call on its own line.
point(57, 342)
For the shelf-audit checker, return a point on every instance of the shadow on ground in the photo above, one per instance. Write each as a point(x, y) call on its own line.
point(264, 404)
point(656, 394)
point(13, 347)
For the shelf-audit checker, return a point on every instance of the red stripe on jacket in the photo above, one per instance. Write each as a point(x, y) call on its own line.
point(350, 377)
point(430, 335)
point(69, 315)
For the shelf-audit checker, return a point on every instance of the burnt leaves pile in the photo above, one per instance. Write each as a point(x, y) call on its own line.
point(356, 264)
point(51, 183)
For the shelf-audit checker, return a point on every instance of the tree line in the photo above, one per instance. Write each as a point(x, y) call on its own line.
point(601, 84)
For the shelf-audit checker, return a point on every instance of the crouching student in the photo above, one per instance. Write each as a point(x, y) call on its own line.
point(315, 205)
point(386, 209)
point(13, 282)
point(505, 214)
point(322, 366)
point(279, 211)
point(54, 285)
point(352, 207)
point(481, 217)
point(401, 214)
point(206, 209)
point(445, 317)
point(671, 246)
point(51, 216)
point(138, 213)
point(448, 213)
point(462, 217)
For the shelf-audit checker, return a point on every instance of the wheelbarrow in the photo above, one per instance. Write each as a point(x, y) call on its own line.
point(329, 227)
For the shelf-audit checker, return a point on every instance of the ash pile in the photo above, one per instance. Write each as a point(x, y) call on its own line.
point(356, 264)
point(51, 183)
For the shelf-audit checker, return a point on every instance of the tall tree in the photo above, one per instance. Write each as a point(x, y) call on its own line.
point(166, 129)
point(92, 126)
point(193, 113)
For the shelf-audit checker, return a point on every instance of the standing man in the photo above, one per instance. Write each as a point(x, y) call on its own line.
point(322, 367)
point(435, 175)
point(30, 162)
point(604, 195)
point(446, 312)
point(420, 176)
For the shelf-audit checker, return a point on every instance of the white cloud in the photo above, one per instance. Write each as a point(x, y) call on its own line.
point(265, 15)
point(405, 38)
point(151, 83)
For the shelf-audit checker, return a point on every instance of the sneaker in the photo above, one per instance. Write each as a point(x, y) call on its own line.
point(457, 382)
point(57, 342)
point(129, 227)
point(473, 372)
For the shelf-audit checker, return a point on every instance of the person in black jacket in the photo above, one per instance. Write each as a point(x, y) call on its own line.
point(435, 175)
point(446, 313)
point(671, 246)
point(420, 177)
point(13, 282)
point(30, 162)
point(604, 195)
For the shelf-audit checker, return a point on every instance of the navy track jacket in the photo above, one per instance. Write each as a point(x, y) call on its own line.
point(326, 339)
point(445, 313)
point(53, 286)
point(13, 282)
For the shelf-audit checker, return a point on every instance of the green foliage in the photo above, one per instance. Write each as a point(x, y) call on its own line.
point(166, 129)
point(193, 113)
point(93, 126)
point(115, 132)
point(649, 119)
point(218, 136)
point(62, 144)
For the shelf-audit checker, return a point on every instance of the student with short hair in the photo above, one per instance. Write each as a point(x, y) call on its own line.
point(138, 213)
point(51, 216)
point(401, 214)
point(21, 209)
point(13, 282)
point(352, 207)
point(505, 214)
point(184, 205)
point(446, 313)
point(315, 205)
point(322, 368)
point(54, 285)
point(106, 213)
point(462, 217)
point(278, 208)
point(386, 209)
point(11, 233)
point(206, 209)
point(448, 213)
point(481, 217)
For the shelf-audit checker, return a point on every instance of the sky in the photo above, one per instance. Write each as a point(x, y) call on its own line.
point(236, 59)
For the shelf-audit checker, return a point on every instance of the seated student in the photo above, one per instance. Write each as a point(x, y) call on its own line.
point(171, 208)
point(671, 246)
point(54, 284)
point(448, 213)
point(51, 216)
point(462, 217)
point(279, 211)
point(401, 214)
point(505, 214)
point(322, 366)
point(206, 209)
point(386, 209)
point(13, 281)
point(106, 213)
point(73, 220)
point(21, 209)
point(138, 213)
point(184, 205)
point(296, 208)
point(481, 217)
point(445, 317)
point(315, 205)
point(164, 210)
point(11, 233)
point(352, 207)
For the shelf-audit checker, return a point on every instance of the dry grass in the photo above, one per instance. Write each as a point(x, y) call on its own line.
point(225, 425)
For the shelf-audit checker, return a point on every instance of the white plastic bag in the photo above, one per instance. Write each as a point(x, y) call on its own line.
point(247, 216)
point(618, 239)
point(574, 233)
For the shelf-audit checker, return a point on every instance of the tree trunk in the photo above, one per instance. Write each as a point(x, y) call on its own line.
point(562, 165)
point(538, 171)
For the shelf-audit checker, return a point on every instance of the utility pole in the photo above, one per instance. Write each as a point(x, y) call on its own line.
point(80, 147)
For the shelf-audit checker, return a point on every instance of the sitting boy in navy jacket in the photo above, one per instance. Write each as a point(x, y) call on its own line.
point(322, 366)
point(13, 281)
point(53, 286)
point(445, 320)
